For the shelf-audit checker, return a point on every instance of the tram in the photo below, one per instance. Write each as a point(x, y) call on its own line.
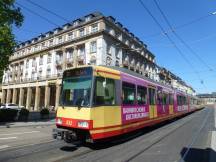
point(99, 102)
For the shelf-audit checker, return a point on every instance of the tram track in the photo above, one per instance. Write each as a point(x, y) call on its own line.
point(167, 135)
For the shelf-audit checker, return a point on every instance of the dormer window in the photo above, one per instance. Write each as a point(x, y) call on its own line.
point(76, 22)
point(66, 26)
point(88, 18)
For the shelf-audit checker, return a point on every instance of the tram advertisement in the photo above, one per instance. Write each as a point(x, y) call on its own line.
point(133, 113)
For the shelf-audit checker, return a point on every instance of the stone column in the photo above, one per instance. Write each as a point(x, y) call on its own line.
point(29, 96)
point(21, 97)
point(58, 91)
point(47, 96)
point(37, 98)
point(14, 99)
point(3, 95)
point(8, 95)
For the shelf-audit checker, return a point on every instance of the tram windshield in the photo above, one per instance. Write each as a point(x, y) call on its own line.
point(76, 89)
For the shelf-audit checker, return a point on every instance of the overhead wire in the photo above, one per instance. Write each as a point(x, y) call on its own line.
point(182, 41)
point(180, 38)
point(170, 39)
point(184, 25)
point(49, 11)
point(35, 13)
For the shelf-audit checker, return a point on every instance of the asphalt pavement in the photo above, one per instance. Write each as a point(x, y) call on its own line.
point(188, 139)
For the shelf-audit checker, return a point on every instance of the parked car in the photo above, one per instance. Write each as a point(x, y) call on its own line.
point(10, 106)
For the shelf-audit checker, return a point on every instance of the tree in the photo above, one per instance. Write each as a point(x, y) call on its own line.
point(9, 15)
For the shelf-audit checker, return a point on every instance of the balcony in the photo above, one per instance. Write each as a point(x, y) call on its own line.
point(69, 60)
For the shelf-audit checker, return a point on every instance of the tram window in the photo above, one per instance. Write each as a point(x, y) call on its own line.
point(104, 91)
point(159, 97)
point(152, 96)
point(171, 99)
point(179, 100)
point(141, 95)
point(128, 93)
point(164, 99)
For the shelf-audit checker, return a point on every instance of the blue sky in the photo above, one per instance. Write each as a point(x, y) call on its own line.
point(200, 36)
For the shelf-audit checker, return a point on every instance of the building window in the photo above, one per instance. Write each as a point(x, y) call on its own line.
point(26, 74)
point(51, 42)
point(109, 49)
point(59, 71)
point(29, 49)
point(70, 35)
point(104, 91)
point(117, 53)
point(81, 32)
point(117, 63)
point(118, 35)
point(69, 53)
point(41, 60)
point(48, 71)
point(34, 63)
point(93, 47)
point(40, 73)
point(60, 39)
point(36, 47)
point(23, 52)
point(82, 51)
point(94, 28)
point(49, 58)
point(27, 63)
point(42, 45)
point(128, 93)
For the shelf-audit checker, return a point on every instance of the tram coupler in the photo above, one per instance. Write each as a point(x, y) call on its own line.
point(68, 136)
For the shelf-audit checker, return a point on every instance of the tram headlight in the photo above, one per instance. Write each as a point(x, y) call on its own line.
point(59, 121)
point(83, 124)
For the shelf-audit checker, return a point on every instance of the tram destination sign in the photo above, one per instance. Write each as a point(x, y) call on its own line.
point(78, 72)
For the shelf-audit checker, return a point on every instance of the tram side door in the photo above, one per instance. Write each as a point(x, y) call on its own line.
point(152, 103)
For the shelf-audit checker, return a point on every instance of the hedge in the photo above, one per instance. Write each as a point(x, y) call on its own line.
point(7, 115)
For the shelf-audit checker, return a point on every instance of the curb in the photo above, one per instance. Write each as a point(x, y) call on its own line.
point(27, 125)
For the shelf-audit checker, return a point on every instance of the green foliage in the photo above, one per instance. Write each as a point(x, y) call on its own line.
point(7, 115)
point(23, 115)
point(9, 15)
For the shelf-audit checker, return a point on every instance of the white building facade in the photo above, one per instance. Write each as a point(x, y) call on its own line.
point(33, 78)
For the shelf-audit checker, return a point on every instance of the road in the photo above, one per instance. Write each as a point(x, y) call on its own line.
point(185, 140)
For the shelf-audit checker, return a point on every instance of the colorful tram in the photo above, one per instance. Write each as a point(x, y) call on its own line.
point(99, 102)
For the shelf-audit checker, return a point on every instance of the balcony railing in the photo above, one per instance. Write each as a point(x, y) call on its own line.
point(32, 79)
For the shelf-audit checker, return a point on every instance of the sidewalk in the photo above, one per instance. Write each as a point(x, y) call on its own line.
point(27, 124)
